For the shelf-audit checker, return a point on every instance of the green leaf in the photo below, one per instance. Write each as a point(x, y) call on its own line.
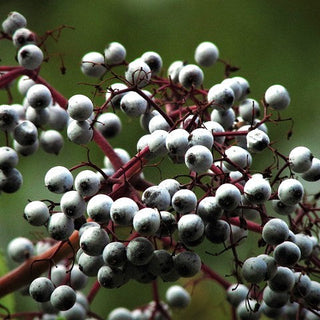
point(7, 301)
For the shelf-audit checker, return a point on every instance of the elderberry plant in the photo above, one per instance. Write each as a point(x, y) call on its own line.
point(114, 226)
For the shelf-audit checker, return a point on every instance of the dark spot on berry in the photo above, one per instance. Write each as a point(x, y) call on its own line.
point(260, 145)
point(228, 99)
point(192, 158)
point(25, 54)
point(85, 185)
point(147, 194)
point(173, 149)
point(20, 39)
point(153, 63)
point(297, 194)
point(259, 196)
point(151, 199)
point(79, 222)
point(52, 188)
point(39, 102)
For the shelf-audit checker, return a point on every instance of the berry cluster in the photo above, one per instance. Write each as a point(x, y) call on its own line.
point(113, 225)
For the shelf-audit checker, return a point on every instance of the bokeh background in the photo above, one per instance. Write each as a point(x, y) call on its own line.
point(273, 42)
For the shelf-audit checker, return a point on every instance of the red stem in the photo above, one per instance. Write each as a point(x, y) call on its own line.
point(230, 133)
point(57, 96)
point(155, 106)
point(155, 292)
point(133, 165)
point(107, 149)
point(8, 77)
point(8, 68)
point(213, 275)
point(301, 213)
point(23, 315)
point(315, 261)
point(93, 291)
point(233, 313)
point(216, 170)
point(35, 266)
point(252, 226)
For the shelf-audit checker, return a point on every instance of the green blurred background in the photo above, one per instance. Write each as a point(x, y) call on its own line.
point(271, 41)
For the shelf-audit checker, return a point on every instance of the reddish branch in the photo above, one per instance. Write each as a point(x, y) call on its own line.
point(216, 277)
point(56, 95)
point(9, 76)
point(93, 292)
point(35, 266)
point(252, 226)
point(22, 315)
point(107, 149)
